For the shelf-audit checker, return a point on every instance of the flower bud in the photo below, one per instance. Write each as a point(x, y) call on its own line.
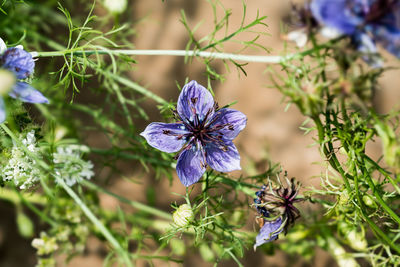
point(116, 6)
point(183, 215)
point(356, 240)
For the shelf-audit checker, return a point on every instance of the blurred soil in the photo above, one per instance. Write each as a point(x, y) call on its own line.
point(271, 133)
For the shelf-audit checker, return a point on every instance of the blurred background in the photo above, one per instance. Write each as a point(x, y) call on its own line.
point(272, 133)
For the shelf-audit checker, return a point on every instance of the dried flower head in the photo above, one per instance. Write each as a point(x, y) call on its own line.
point(276, 209)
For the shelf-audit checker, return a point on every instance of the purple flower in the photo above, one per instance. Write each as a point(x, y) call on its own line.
point(18, 61)
point(202, 134)
point(365, 21)
point(269, 232)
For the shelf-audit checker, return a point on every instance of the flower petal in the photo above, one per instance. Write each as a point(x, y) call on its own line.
point(389, 39)
point(3, 46)
point(234, 120)
point(339, 14)
point(27, 93)
point(223, 158)
point(194, 100)
point(269, 232)
point(2, 110)
point(190, 166)
point(165, 136)
point(366, 45)
point(18, 61)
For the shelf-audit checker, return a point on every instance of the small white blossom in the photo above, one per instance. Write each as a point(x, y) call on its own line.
point(116, 6)
point(70, 166)
point(22, 169)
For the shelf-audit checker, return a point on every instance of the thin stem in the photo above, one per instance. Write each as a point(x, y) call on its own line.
point(377, 195)
point(134, 204)
point(15, 197)
point(186, 53)
point(182, 53)
point(106, 233)
point(371, 223)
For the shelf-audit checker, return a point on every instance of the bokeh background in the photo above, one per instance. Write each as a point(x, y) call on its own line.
point(272, 133)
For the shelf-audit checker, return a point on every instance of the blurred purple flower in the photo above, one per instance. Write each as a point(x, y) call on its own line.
point(18, 61)
point(365, 21)
point(27, 93)
point(21, 64)
point(202, 134)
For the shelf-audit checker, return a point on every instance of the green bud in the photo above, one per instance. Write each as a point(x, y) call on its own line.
point(25, 225)
point(183, 215)
point(178, 247)
point(338, 252)
point(206, 253)
point(116, 6)
point(369, 202)
point(356, 240)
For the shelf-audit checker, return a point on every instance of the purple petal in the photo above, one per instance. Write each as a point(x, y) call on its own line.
point(269, 232)
point(18, 61)
point(194, 99)
point(191, 166)
point(234, 120)
point(27, 93)
point(366, 45)
point(167, 137)
point(343, 15)
point(2, 110)
point(223, 158)
point(389, 39)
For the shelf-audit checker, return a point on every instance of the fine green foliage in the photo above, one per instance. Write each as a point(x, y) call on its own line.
point(59, 161)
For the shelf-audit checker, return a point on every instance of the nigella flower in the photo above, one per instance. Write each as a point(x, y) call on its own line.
point(365, 21)
point(202, 134)
point(276, 210)
point(20, 63)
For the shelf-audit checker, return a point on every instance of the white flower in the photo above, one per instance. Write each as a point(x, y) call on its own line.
point(70, 166)
point(116, 6)
point(22, 169)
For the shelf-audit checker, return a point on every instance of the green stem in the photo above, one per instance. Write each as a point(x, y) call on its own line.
point(329, 154)
point(186, 53)
point(15, 197)
point(106, 233)
point(383, 172)
point(377, 195)
point(374, 227)
point(134, 204)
